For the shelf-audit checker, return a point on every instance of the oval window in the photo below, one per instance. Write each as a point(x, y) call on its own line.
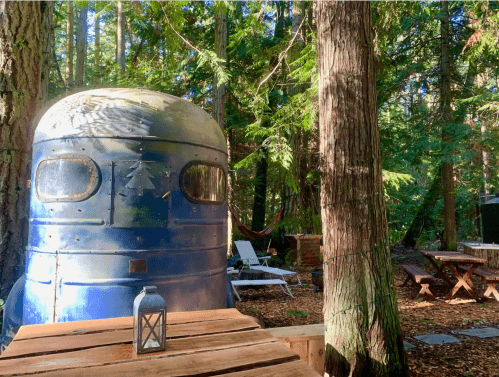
point(202, 183)
point(66, 179)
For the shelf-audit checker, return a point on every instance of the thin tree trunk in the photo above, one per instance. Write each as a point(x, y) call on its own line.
point(260, 198)
point(219, 96)
point(97, 51)
point(221, 51)
point(121, 39)
point(69, 44)
point(485, 158)
point(449, 212)
point(47, 22)
point(424, 212)
point(20, 88)
point(484, 125)
point(81, 45)
point(259, 203)
point(58, 69)
point(360, 307)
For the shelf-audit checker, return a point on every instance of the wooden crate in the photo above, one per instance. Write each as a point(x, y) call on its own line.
point(307, 341)
point(486, 251)
point(307, 249)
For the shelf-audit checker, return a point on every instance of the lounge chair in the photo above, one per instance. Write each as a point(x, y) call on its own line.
point(248, 256)
point(281, 283)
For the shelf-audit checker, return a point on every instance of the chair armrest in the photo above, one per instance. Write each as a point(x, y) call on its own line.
point(265, 261)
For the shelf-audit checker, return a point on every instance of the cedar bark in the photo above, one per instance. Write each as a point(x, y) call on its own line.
point(450, 239)
point(81, 45)
point(20, 89)
point(47, 22)
point(69, 44)
point(121, 39)
point(360, 307)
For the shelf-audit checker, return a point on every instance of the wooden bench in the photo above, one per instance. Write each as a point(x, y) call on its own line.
point(488, 277)
point(421, 277)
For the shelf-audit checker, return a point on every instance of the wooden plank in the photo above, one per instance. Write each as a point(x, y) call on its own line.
point(291, 369)
point(199, 364)
point(123, 353)
point(452, 256)
point(486, 275)
point(317, 355)
point(300, 347)
point(65, 343)
point(67, 328)
point(64, 328)
point(461, 259)
point(292, 333)
point(420, 275)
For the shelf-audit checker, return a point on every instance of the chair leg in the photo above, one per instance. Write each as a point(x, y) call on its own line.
point(294, 285)
point(235, 292)
point(286, 290)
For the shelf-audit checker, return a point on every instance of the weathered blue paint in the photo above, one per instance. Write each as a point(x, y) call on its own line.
point(12, 313)
point(89, 259)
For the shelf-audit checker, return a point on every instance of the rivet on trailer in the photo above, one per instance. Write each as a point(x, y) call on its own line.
point(128, 190)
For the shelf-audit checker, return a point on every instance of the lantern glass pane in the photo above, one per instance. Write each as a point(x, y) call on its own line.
point(152, 325)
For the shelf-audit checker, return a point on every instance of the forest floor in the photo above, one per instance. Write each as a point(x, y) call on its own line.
point(472, 356)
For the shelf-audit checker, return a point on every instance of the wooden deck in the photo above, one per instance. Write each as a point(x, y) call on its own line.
point(205, 343)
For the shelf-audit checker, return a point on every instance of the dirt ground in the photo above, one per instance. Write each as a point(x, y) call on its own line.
point(471, 357)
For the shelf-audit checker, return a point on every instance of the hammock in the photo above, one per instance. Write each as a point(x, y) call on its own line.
point(251, 234)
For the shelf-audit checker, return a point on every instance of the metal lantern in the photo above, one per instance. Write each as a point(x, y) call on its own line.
point(149, 321)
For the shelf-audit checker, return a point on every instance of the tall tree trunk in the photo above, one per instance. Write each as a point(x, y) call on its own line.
point(46, 39)
point(219, 96)
point(450, 239)
point(259, 203)
point(360, 307)
point(20, 69)
point(69, 44)
point(81, 45)
point(97, 51)
point(423, 215)
point(484, 125)
point(121, 40)
point(221, 51)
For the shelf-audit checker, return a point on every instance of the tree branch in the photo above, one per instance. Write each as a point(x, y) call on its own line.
point(185, 40)
point(283, 54)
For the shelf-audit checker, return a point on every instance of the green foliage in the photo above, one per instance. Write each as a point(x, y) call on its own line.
point(272, 109)
point(297, 313)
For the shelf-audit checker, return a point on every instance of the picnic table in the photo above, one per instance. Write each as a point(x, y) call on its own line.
point(203, 343)
point(452, 260)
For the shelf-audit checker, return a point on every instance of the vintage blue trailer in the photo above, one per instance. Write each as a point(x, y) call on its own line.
point(128, 189)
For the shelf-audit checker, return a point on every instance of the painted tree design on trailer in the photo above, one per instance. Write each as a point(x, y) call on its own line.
point(140, 178)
